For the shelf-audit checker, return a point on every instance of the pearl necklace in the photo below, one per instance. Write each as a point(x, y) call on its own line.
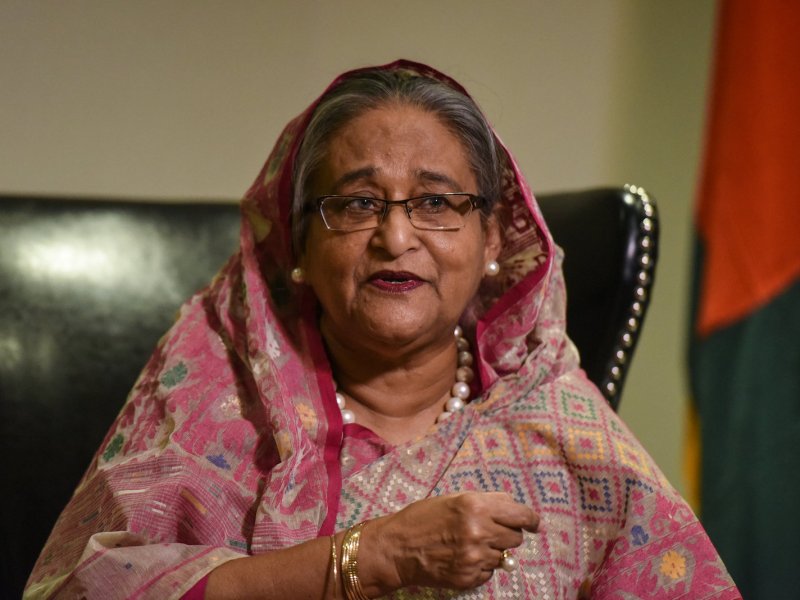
point(459, 393)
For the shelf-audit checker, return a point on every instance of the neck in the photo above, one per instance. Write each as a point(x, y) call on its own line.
point(397, 396)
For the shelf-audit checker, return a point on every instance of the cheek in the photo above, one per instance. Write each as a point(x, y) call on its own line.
point(463, 263)
point(471, 249)
point(330, 266)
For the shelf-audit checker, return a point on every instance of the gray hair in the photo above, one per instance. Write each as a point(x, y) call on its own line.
point(372, 89)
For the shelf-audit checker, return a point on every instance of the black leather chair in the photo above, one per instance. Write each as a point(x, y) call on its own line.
point(88, 286)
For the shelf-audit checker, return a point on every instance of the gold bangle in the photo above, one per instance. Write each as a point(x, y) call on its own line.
point(334, 568)
point(352, 584)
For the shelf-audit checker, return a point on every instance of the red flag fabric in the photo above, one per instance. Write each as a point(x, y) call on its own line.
point(749, 211)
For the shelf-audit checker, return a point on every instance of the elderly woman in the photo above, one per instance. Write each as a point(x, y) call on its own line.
point(376, 396)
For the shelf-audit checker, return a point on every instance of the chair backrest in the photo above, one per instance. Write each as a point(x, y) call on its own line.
point(610, 242)
point(88, 286)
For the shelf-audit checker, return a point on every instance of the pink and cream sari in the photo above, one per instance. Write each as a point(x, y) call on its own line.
point(231, 441)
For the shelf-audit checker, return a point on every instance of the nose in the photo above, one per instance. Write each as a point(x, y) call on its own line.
point(395, 234)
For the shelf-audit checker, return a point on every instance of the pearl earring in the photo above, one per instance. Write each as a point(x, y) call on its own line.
point(492, 268)
point(298, 275)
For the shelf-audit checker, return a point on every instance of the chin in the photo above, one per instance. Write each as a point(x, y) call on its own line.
point(397, 336)
point(405, 333)
point(381, 330)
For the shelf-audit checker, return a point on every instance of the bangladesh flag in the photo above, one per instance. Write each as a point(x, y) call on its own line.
point(745, 344)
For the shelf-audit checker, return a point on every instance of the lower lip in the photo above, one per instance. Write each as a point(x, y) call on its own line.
point(397, 287)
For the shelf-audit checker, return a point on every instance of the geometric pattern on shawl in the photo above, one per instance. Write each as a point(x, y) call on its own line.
point(608, 518)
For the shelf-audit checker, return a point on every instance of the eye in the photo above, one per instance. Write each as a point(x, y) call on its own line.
point(360, 204)
point(432, 204)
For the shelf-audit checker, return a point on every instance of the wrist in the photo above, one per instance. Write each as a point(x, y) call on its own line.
point(375, 566)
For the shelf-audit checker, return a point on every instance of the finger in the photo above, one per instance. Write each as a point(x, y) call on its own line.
point(507, 538)
point(486, 575)
point(494, 559)
point(489, 564)
point(504, 510)
point(515, 516)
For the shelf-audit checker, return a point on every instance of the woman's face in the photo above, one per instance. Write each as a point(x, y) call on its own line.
point(395, 287)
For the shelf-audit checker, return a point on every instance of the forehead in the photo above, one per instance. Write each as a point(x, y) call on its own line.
point(395, 145)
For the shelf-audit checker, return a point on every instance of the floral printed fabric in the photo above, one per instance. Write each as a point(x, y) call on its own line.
point(231, 442)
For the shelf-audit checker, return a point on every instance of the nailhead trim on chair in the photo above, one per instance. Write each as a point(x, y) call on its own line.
point(646, 243)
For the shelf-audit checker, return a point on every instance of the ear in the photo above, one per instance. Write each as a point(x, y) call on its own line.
point(493, 239)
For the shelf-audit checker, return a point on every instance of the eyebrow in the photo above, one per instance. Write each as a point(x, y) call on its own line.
point(421, 174)
point(352, 176)
point(436, 177)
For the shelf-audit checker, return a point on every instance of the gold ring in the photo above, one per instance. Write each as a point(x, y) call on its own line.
point(508, 562)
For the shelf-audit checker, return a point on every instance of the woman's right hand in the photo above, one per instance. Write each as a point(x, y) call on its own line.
point(452, 541)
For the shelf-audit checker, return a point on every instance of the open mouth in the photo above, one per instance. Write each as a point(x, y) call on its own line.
point(395, 281)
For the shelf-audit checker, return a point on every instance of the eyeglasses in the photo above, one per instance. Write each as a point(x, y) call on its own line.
point(435, 212)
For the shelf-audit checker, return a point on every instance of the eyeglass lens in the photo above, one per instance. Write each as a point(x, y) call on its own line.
point(350, 213)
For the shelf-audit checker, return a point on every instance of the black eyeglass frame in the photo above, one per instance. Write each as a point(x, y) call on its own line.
point(474, 201)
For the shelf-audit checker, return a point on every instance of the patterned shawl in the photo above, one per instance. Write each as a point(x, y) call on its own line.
point(231, 441)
